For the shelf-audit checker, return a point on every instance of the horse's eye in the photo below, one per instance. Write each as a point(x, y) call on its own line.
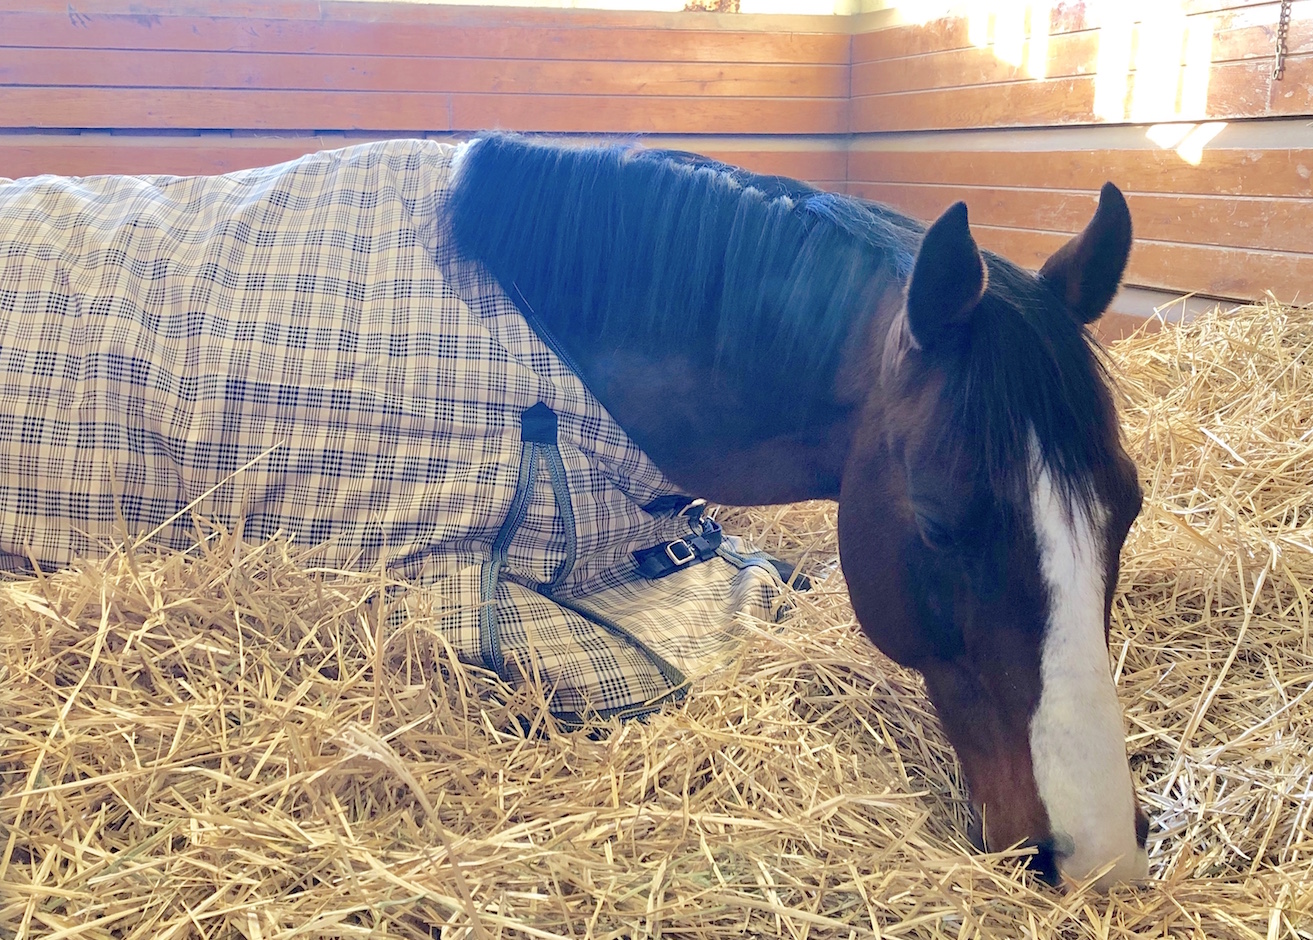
point(936, 533)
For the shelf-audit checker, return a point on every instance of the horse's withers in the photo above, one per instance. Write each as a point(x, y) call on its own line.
point(989, 557)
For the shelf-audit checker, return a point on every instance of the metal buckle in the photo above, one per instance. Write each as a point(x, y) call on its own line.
point(693, 509)
point(681, 557)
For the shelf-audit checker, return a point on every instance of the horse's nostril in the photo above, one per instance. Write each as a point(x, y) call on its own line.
point(1141, 827)
point(1044, 862)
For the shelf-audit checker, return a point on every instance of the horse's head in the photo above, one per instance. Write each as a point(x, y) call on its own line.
point(983, 508)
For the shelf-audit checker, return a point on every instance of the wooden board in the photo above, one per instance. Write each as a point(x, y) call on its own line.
point(1227, 19)
point(396, 67)
point(487, 33)
point(90, 154)
point(1249, 172)
point(1275, 224)
point(1219, 271)
point(228, 70)
point(931, 77)
point(414, 111)
point(1234, 226)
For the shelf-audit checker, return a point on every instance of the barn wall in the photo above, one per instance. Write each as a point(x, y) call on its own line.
point(114, 86)
point(1180, 110)
point(915, 115)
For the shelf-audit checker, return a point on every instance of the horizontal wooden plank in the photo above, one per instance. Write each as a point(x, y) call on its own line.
point(507, 36)
point(1262, 224)
point(1022, 104)
point(1237, 29)
point(948, 33)
point(1066, 55)
point(94, 154)
point(233, 70)
point(90, 154)
point(459, 14)
point(1247, 172)
point(1217, 271)
point(1243, 89)
point(1251, 34)
point(559, 113)
point(373, 111)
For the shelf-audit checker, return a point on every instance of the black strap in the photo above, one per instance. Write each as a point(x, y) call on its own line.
point(538, 424)
point(668, 557)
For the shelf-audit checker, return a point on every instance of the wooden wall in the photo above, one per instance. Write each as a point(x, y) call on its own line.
point(121, 86)
point(940, 114)
point(914, 115)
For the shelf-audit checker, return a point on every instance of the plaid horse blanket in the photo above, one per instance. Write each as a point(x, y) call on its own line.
point(298, 350)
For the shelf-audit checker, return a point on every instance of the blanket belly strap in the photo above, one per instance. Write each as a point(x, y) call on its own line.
point(538, 442)
point(666, 558)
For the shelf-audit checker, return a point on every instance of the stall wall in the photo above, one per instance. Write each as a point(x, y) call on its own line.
point(1174, 101)
point(116, 86)
point(1022, 108)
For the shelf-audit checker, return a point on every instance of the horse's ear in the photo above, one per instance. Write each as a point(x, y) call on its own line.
point(948, 279)
point(1088, 269)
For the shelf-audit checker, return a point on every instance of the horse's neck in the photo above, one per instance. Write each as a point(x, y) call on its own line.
point(708, 435)
point(668, 307)
point(739, 436)
point(716, 435)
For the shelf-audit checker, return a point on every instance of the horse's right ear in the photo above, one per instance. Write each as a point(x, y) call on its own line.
point(948, 279)
point(1087, 271)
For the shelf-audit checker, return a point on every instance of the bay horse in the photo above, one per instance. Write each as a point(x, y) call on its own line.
point(766, 342)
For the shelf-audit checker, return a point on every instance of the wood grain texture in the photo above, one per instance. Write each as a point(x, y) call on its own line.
point(1275, 224)
point(1240, 29)
point(90, 154)
point(365, 11)
point(494, 33)
point(1239, 172)
point(1216, 270)
point(1068, 54)
point(932, 78)
point(236, 70)
point(414, 111)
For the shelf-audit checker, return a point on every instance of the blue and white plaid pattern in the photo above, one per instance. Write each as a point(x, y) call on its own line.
point(297, 350)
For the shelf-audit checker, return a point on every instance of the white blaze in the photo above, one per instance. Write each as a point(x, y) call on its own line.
point(1077, 741)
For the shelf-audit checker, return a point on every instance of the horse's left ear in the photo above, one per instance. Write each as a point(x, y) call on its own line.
point(948, 279)
point(1088, 269)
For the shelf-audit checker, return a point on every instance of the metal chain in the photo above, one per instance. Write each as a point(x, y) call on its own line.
point(1283, 27)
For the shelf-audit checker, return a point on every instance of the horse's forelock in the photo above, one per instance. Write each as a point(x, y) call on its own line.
point(1031, 380)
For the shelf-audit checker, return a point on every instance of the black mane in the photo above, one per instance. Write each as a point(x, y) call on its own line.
point(761, 279)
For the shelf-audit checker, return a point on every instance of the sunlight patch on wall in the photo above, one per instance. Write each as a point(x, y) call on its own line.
point(1151, 62)
point(1188, 140)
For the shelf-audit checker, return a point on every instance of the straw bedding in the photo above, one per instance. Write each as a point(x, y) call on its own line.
point(235, 742)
